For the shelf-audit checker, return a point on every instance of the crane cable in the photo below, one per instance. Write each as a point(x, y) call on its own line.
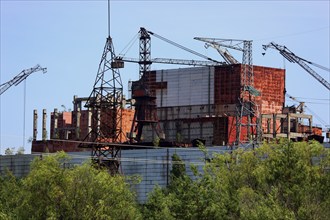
point(182, 47)
point(324, 123)
point(129, 45)
point(24, 113)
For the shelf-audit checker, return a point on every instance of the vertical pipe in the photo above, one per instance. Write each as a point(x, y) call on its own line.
point(44, 130)
point(274, 125)
point(167, 165)
point(209, 92)
point(55, 128)
point(249, 127)
point(78, 114)
point(289, 125)
point(89, 122)
point(35, 124)
point(310, 120)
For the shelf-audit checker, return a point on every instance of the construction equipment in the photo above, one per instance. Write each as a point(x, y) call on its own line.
point(145, 100)
point(246, 108)
point(142, 92)
point(173, 61)
point(217, 44)
point(21, 77)
point(291, 57)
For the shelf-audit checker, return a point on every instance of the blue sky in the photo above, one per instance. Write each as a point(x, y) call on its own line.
point(68, 38)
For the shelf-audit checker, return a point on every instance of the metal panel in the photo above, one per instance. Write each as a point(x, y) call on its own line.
point(188, 86)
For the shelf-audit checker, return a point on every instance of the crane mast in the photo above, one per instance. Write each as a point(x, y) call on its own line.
point(21, 77)
point(291, 57)
point(247, 108)
point(145, 99)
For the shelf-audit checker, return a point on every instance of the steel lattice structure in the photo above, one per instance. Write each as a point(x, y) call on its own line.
point(145, 99)
point(247, 110)
point(105, 105)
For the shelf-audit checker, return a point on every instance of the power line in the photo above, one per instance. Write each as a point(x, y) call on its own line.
point(313, 98)
point(293, 34)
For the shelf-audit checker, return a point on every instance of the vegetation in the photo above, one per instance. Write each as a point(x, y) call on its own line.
point(51, 191)
point(279, 181)
point(283, 180)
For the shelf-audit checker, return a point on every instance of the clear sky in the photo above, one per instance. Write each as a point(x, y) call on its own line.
point(68, 38)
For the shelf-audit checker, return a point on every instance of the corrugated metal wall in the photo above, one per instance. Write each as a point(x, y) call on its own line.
point(153, 166)
point(19, 165)
point(188, 86)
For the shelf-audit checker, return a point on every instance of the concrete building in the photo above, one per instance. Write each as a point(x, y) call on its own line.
point(192, 103)
point(201, 102)
point(69, 128)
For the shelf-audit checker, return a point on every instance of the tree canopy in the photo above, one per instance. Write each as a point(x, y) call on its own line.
point(51, 191)
point(282, 180)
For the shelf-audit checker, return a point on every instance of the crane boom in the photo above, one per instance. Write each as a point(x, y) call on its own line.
point(173, 61)
point(20, 77)
point(291, 57)
point(210, 42)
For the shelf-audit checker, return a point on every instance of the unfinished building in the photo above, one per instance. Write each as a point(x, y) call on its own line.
point(69, 128)
point(219, 103)
point(201, 102)
point(193, 103)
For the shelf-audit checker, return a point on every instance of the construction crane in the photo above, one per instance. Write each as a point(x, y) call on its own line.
point(145, 100)
point(173, 61)
point(291, 57)
point(21, 77)
point(247, 71)
point(301, 107)
point(246, 107)
point(216, 44)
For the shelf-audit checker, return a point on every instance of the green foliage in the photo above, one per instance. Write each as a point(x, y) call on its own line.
point(283, 180)
point(9, 151)
point(20, 150)
point(51, 191)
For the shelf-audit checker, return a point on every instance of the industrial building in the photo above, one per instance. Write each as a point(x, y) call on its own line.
point(192, 103)
point(217, 103)
point(201, 102)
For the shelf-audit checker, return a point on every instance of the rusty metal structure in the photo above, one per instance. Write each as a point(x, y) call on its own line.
point(105, 103)
point(143, 93)
point(247, 111)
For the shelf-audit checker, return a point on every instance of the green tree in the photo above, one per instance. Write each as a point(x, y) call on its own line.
point(10, 190)
point(53, 191)
point(282, 180)
point(9, 151)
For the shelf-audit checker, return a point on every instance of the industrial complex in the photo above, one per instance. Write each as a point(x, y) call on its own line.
point(216, 103)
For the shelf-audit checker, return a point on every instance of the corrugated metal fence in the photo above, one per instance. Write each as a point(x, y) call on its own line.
point(151, 166)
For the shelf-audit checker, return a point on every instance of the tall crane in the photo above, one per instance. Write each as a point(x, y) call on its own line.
point(142, 92)
point(291, 57)
point(246, 107)
point(21, 77)
point(145, 100)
